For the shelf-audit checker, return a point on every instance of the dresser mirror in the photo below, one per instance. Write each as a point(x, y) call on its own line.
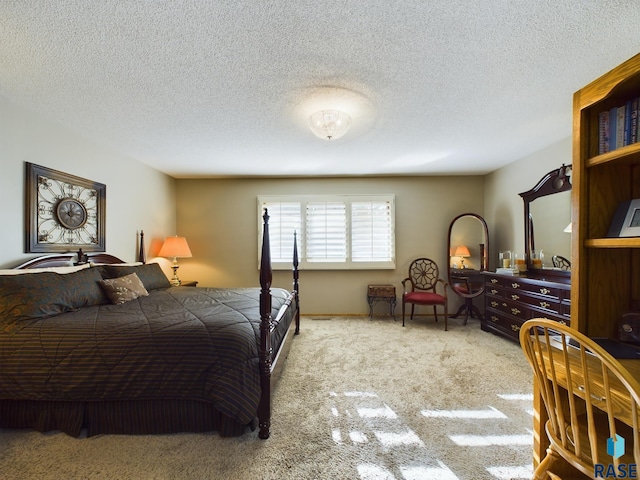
point(468, 244)
point(547, 224)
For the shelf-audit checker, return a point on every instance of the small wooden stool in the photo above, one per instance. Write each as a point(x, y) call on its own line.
point(385, 293)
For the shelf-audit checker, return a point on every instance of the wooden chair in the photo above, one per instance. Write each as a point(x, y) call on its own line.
point(420, 288)
point(589, 398)
point(561, 262)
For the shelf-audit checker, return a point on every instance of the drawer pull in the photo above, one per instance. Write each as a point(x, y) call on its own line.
point(494, 291)
point(515, 311)
point(493, 280)
point(545, 291)
point(515, 297)
point(494, 304)
point(515, 285)
point(494, 318)
point(545, 304)
point(515, 328)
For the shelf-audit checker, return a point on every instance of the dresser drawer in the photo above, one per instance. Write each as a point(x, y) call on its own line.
point(542, 290)
point(518, 310)
point(494, 290)
point(503, 324)
point(547, 304)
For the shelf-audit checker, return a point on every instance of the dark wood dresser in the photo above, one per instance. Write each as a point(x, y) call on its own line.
point(511, 300)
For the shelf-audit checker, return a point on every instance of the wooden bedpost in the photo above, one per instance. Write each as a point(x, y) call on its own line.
point(142, 257)
point(264, 409)
point(296, 276)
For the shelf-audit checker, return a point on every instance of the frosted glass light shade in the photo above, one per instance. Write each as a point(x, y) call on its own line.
point(329, 124)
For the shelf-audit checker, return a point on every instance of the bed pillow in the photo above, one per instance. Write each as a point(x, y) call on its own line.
point(151, 274)
point(45, 294)
point(123, 289)
point(70, 268)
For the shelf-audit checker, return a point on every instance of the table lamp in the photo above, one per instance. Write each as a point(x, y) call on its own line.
point(176, 247)
point(462, 251)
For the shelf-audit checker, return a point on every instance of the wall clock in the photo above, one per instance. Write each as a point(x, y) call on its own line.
point(64, 212)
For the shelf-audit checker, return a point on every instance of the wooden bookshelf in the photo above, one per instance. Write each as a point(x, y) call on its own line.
point(605, 271)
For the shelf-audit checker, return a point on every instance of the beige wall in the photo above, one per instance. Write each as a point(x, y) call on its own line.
point(218, 217)
point(504, 208)
point(138, 197)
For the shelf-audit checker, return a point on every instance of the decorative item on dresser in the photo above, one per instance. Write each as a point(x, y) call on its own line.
point(511, 300)
point(126, 352)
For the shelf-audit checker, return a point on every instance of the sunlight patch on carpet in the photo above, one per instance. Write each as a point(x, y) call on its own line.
point(358, 437)
point(475, 414)
point(384, 412)
point(361, 394)
point(361, 420)
point(511, 473)
point(440, 472)
point(376, 472)
point(528, 397)
point(489, 440)
point(391, 439)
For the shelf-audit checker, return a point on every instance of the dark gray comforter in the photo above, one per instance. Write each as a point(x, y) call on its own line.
point(176, 343)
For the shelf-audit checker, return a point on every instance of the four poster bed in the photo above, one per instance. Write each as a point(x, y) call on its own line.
point(114, 348)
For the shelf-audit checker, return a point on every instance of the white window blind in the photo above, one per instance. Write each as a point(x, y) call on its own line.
point(333, 231)
point(371, 231)
point(326, 234)
point(285, 218)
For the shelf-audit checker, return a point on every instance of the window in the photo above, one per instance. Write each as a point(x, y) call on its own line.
point(333, 231)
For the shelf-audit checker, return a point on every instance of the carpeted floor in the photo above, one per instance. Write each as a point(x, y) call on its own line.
point(359, 399)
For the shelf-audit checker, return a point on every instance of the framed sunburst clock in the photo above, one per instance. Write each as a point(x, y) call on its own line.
point(63, 212)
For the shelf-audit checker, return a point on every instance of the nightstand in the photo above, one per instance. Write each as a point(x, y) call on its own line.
point(189, 283)
point(385, 293)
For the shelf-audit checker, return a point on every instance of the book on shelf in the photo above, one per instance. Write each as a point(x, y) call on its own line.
point(603, 126)
point(627, 124)
point(619, 126)
point(634, 121)
point(613, 120)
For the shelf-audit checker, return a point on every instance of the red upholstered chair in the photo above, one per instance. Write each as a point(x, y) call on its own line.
point(420, 287)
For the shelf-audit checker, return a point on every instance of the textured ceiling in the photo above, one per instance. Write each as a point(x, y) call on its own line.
point(224, 88)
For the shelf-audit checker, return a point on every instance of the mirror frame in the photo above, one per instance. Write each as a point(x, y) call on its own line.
point(556, 181)
point(484, 259)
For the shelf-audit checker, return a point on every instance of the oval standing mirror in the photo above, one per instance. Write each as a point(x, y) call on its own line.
point(547, 217)
point(468, 256)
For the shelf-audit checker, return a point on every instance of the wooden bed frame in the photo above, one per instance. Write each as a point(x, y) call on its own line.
point(269, 370)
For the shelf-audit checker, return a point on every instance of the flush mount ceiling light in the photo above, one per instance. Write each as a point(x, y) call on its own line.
point(329, 124)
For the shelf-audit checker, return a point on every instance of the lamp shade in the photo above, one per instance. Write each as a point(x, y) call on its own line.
point(462, 251)
point(329, 124)
point(176, 247)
